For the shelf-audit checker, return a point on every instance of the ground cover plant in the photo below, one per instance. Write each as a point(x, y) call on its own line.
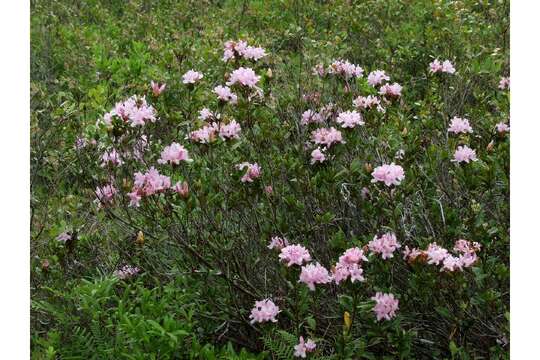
point(270, 179)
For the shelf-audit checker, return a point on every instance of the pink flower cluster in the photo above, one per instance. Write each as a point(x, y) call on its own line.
point(225, 94)
point(174, 154)
point(464, 154)
point(181, 188)
point(111, 157)
point(502, 128)
point(294, 255)
point(390, 174)
point(278, 243)
point(368, 102)
point(504, 83)
point(253, 171)
point(126, 272)
point(64, 237)
point(147, 184)
point(349, 265)
point(391, 90)
point(238, 49)
point(208, 133)
point(105, 194)
point(206, 114)
point(385, 306)
point(263, 311)
point(244, 77)
point(460, 125)
point(326, 136)
point(157, 88)
point(314, 274)
point(437, 255)
point(345, 69)
point(385, 245)
point(310, 117)
point(349, 119)
point(192, 76)
point(304, 347)
point(317, 155)
point(445, 67)
point(377, 77)
point(134, 111)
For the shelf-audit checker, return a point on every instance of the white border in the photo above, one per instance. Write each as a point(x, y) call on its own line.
point(15, 181)
point(525, 149)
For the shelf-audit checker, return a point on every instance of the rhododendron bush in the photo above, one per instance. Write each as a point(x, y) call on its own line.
point(296, 193)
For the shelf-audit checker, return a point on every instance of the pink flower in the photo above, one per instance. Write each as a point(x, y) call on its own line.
point(436, 254)
point(278, 243)
point(349, 265)
point(318, 70)
point(368, 102)
point(268, 189)
point(345, 69)
point(206, 114)
point(451, 263)
point(126, 272)
point(309, 116)
point(253, 171)
point(302, 347)
point(349, 119)
point(385, 245)
point(468, 259)
point(240, 48)
point(393, 90)
point(502, 127)
point(244, 77)
point(80, 143)
point(229, 131)
point(111, 157)
point(181, 188)
point(465, 246)
point(204, 135)
point(464, 154)
point(435, 66)
point(105, 194)
point(134, 198)
point(157, 88)
point(377, 77)
point(504, 83)
point(460, 125)
point(174, 154)
point(386, 306)
point(326, 136)
point(353, 255)
point(314, 274)
point(134, 111)
point(254, 53)
point(294, 254)
point(341, 272)
point(224, 94)
point(191, 77)
point(147, 184)
point(317, 156)
point(389, 174)
point(64, 237)
point(411, 254)
point(447, 67)
point(264, 310)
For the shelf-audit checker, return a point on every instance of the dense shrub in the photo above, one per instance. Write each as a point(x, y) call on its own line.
point(169, 217)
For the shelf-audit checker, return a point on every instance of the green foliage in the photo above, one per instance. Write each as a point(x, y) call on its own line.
point(204, 259)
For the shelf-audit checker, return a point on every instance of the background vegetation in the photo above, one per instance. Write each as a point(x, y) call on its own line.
point(88, 55)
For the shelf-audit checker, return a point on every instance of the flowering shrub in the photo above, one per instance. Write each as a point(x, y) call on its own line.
point(315, 204)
